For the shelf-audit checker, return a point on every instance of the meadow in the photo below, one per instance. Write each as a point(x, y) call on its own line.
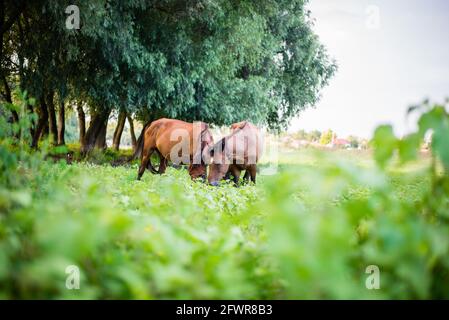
point(308, 231)
point(323, 224)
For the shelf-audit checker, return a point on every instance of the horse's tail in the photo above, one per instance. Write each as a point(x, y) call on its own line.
point(139, 148)
point(139, 145)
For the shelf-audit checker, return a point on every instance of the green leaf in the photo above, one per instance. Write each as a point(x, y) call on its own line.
point(409, 147)
point(384, 143)
point(437, 120)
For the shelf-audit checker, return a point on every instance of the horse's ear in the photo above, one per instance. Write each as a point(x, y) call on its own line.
point(204, 127)
point(220, 144)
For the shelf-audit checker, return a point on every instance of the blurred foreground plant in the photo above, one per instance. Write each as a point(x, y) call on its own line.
point(324, 241)
point(304, 233)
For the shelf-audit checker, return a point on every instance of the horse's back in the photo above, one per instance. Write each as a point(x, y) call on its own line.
point(165, 133)
point(247, 142)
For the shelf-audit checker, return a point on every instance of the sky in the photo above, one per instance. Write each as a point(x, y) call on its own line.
point(390, 54)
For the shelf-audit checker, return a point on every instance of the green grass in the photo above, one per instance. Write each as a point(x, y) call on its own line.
point(169, 237)
point(310, 230)
point(409, 180)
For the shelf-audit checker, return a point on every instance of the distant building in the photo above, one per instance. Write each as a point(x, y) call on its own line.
point(340, 143)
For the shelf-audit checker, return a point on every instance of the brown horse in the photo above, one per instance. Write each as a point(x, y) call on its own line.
point(237, 152)
point(176, 141)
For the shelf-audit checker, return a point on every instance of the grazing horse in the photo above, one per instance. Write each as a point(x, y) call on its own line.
point(176, 141)
point(237, 152)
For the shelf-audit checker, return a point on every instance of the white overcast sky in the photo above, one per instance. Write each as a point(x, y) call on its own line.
point(384, 67)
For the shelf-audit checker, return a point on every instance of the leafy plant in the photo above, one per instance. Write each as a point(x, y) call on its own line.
point(308, 232)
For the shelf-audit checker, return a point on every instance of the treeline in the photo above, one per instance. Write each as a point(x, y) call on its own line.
point(217, 61)
point(325, 137)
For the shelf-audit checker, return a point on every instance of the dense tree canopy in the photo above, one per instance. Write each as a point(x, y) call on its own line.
point(219, 61)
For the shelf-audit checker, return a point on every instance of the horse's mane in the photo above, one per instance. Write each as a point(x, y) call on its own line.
point(204, 131)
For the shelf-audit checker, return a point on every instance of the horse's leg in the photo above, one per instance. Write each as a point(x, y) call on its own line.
point(145, 158)
point(246, 176)
point(162, 164)
point(227, 176)
point(252, 172)
point(236, 173)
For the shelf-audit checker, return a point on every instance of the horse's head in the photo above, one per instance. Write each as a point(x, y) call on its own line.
point(220, 164)
point(198, 169)
point(207, 142)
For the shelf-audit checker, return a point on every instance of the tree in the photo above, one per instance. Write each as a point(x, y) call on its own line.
point(354, 141)
point(218, 61)
point(315, 135)
point(119, 130)
point(61, 123)
point(96, 133)
point(41, 124)
point(300, 135)
point(52, 117)
point(326, 137)
point(81, 124)
point(132, 133)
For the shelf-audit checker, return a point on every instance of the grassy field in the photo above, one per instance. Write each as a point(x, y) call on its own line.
point(408, 180)
point(303, 232)
point(323, 224)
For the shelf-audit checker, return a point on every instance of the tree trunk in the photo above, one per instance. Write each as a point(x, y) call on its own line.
point(133, 134)
point(96, 133)
point(45, 130)
point(15, 116)
point(119, 130)
point(52, 118)
point(81, 124)
point(33, 123)
point(8, 98)
point(61, 123)
point(41, 123)
point(100, 142)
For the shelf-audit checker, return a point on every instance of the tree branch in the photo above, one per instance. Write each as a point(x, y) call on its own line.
point(14, 16)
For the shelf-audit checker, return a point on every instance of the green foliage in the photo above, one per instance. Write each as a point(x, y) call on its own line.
point(15, 138)
point(384, 143)
point(437, 120)
point(309, 231)
point(354, 141)
point(312, 136)
point(326, 137)
point(217, 61)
